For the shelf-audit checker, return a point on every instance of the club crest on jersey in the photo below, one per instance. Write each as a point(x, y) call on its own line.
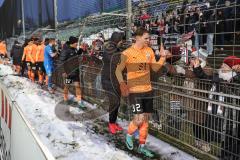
point(148, 56)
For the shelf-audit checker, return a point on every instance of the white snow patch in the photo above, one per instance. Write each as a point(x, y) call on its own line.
point(107, 33)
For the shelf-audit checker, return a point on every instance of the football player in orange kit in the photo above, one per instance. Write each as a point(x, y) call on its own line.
point(29, 55)
point(139, 59)
point(3, 49)
point(39, 61)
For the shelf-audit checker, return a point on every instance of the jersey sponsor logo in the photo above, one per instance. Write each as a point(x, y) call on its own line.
point(142, 67)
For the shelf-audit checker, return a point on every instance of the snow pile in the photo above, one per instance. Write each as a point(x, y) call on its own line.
point(5, 70)
point(68, 140)
point(107, 33)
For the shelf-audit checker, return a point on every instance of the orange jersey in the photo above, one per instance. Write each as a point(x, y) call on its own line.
point(40, 53)
point(26, 51)
point(30, 51)
point(138, 64)
point(3, 49)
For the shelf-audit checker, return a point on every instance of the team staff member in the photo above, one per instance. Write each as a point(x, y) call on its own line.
point(139, 59)
point(16, 54)
point(111, 55)
point(39, 61)
point(48, 62)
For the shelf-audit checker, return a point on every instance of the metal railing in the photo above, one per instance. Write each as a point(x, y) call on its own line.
point(187, 112)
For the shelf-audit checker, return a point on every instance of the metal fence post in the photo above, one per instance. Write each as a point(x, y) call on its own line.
point(129, 18)
point(55, 17)
point(23, 20)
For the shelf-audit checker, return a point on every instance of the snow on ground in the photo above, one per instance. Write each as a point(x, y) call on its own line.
point(68, 140)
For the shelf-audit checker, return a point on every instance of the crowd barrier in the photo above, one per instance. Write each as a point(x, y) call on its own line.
point(18, 140)
point(188, 113)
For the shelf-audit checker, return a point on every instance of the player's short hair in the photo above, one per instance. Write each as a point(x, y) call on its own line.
point(140, 31)
point(52, 39)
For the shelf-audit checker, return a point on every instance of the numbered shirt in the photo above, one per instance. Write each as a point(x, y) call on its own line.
point(138, 63)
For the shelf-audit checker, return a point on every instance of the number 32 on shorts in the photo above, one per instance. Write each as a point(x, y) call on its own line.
point(136, 108)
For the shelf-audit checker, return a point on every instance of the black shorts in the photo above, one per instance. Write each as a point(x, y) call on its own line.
point(40, 66)
point(2, 55)
point(31, 65)
point(74, 77)
point(28, 64)
point(70, 79)
point(141, 102)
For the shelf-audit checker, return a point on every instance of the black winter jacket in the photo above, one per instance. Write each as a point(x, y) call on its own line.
point(70, 60)
point(16, 54)
point(111, 57)
point(209, 18)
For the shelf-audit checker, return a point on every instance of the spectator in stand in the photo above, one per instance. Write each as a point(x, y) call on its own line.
point(233, 62)
point(16, 55)
point(161, 25)
point(229, 72)
point(228, 13)
point(202, 28)
point(209, 22)
point(84, 47)
point(167, 23)
point(237, 28)
point(145, 19)
point(192, 20)
point(220, 29)
point(177, 21)
point(133, 28)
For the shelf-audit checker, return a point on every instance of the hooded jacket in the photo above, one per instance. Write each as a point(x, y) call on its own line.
point(111, 57)
point(16, 54)
point(69, 60)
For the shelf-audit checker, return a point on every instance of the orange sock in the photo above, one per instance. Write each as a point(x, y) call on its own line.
point(33, 76)
point(132, 128)
point(46, 80)
point(18, 69)
point(29, 74)
point(78, 92)
point(40, 78)
point(143, 133)
point(65, 92)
